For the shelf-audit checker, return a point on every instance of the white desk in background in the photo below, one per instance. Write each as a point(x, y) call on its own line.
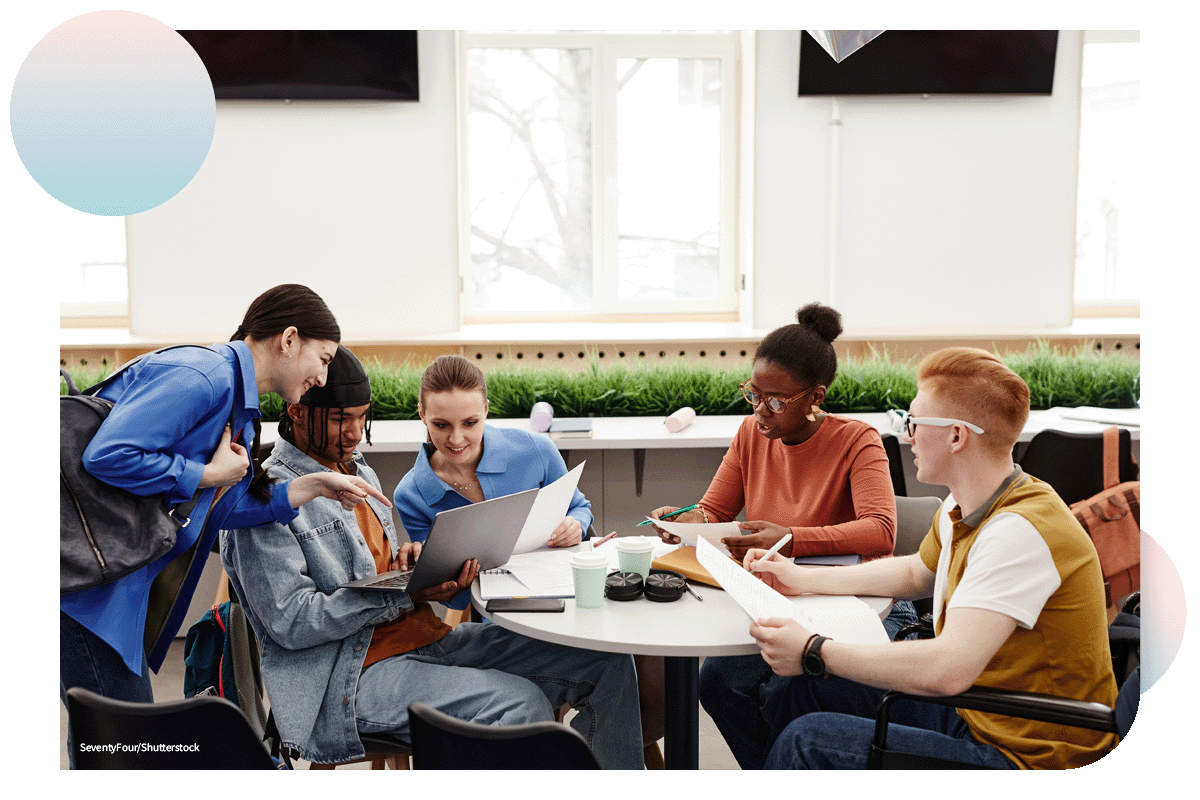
point(681, 631)
point(639, 434)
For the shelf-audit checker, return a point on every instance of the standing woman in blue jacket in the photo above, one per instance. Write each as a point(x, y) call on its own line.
point(169, 433)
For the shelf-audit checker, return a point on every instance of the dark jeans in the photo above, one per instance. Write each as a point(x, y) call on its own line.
point(741, 692)
point(829, 723)
point(86, 660)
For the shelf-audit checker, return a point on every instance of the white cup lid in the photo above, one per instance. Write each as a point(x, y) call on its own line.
point(635, 544)
point(589, 559)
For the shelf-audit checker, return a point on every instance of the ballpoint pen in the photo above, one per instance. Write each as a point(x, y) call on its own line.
point(787, 537)
point(692, 591)
point(675, 513)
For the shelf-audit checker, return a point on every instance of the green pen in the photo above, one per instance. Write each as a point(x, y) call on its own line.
point(672, 514)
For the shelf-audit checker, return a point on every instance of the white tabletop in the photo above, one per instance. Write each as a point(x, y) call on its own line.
point(686, 627)
point(613, 433)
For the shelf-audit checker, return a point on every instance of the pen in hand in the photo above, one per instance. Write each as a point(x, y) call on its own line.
point(675, 513)
point(787, 537)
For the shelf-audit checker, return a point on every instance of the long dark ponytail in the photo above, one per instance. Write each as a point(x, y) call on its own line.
point(271, 313)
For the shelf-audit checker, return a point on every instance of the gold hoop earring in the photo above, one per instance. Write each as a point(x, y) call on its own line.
point(812, 415)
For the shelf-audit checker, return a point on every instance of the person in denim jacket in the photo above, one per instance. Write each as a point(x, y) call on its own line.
point(339, 661)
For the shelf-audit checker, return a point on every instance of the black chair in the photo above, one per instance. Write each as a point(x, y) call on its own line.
point(891, 446)
point(203, 732)
point(1026, 705)
point(440, 741)
point(1073, 463)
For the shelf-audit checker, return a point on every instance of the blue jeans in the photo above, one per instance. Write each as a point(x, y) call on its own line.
point(740, 693)
point(484, 673)
point(86, 660)
point(829, 723)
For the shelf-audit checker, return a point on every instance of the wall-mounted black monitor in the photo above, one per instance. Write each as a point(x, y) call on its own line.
point(309, 65)
point(934, 62)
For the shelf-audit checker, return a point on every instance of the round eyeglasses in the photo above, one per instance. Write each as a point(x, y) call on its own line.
point(903, 423)
point(776, 404)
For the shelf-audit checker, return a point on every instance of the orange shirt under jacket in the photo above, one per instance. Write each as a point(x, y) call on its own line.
point(834, 491)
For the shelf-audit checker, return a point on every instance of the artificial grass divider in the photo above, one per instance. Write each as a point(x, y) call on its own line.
point(1056, 377)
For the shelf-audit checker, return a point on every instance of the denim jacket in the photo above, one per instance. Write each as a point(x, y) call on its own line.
point(314, 636)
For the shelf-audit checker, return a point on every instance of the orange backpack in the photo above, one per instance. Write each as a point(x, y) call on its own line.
point(1112, 519)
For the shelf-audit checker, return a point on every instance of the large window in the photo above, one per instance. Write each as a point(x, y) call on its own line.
point(599, 174)
point(89, 254)
point(1107, 251)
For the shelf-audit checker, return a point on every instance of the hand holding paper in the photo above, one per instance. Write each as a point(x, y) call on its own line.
point(549, 511)
point(845, 618)
point(689, 532)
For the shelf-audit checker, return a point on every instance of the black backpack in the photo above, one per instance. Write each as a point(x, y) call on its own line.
point(105, 532)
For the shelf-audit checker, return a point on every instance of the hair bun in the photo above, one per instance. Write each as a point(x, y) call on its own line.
point(826, 322)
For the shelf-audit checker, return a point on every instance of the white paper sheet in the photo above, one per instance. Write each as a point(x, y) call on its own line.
point(541, 573)
point(710, 531)
point(844, 618)
point(549, 509)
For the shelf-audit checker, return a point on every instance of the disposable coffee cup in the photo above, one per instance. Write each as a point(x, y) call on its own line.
point(634, 554)
point(588, 571)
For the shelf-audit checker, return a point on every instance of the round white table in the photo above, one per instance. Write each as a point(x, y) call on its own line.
point(682, 631)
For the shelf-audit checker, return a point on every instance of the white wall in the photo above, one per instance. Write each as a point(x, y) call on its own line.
point(951, 212)
point(355, 199)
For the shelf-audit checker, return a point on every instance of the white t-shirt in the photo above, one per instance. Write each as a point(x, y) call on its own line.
point(1010, 569)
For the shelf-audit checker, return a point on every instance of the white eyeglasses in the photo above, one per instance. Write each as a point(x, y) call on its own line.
point(902, 422)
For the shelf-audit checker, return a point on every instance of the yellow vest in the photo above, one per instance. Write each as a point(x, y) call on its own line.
point(1065, 653)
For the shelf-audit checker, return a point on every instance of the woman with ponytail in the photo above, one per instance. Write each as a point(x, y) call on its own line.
point(170, 433)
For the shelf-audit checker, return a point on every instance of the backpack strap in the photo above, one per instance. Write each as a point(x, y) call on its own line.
point(1112, 449)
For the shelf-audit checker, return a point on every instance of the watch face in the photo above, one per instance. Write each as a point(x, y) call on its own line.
point(813, 665)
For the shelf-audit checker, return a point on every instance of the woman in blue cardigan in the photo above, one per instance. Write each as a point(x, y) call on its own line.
point(467, 461)
point(169, 433)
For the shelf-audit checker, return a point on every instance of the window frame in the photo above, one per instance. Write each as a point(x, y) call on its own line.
point(606, 49)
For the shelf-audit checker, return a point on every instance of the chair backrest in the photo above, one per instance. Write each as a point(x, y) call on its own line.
point(202, 732)
point(1073, 463)
point(440, 741)
point(891, 446)
point(914, 516)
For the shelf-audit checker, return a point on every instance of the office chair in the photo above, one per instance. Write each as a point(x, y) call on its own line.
point(1073, 463)
point(914, 517)
point(891, 446)
point(382, 750)
point(440, 741)
point(1028, 705)
point(203, 732)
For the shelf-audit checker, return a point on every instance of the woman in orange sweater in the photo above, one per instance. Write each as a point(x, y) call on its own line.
point(793, 469)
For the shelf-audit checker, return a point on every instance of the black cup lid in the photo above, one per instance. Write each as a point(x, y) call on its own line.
point(623, 586)
point(664, 586)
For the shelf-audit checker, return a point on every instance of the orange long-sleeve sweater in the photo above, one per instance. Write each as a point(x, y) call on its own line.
point(834, 491)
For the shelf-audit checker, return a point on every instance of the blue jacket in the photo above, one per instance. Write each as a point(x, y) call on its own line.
point(513, 460)
point(314, 636)
point(170, 411)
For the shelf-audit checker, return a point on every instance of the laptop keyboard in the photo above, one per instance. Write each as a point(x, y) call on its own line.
point(398, 581)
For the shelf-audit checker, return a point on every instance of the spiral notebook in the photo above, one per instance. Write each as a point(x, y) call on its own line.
point(541, 573)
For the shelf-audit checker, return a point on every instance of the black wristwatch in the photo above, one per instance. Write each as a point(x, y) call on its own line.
point(812, 662)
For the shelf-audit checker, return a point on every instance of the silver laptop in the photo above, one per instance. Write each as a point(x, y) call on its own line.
point(486, 531)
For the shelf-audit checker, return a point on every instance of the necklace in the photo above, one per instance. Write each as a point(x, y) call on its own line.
point(464, 486)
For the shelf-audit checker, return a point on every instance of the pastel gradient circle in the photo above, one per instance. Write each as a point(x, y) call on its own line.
point(113, 113)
